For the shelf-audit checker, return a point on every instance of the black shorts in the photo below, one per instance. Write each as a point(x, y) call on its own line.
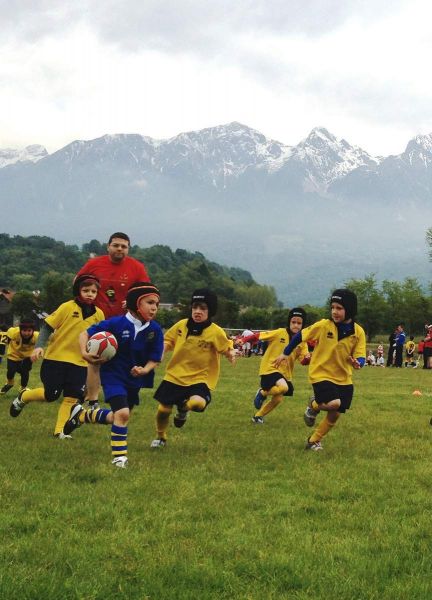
point(170, 393)
point(61, 377)
point(268, 381)
point(127, 399)
point(326, 391)
point(18, 366)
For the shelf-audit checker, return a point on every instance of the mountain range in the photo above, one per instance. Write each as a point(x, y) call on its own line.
point(303, 218)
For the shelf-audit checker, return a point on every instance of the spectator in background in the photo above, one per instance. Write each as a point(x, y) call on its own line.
point(392, 347)
point(399, 345)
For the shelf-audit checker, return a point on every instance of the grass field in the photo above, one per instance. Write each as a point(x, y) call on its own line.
point(227, 510)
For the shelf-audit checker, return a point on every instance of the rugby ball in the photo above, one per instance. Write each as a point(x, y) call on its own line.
point(102, 345)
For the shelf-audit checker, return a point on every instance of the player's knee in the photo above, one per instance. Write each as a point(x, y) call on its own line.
point(51, 395)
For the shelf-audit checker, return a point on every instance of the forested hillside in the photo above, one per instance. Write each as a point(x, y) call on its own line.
point(30, 263)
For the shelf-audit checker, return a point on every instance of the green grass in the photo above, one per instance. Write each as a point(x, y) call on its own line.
point(227, 510)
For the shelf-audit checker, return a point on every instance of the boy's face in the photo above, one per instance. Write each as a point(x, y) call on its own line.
point(199, 312)
point(148, 307)
point(296, 324)
point(89, 292)
point(26, 333)
point(337, 312)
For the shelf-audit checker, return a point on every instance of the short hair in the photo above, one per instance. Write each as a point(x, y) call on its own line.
point(118, 234)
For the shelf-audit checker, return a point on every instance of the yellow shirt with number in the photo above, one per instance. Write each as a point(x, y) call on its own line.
point(330, 359)
point(278, 339)
point(68, 322)
point(195, 358)
point(17, 348)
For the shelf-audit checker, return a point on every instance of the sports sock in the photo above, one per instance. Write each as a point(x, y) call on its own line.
point(95, 415)
point(195, 404)
point(162, 420)
point(324, 427)
point(36, 395)
point(276, 390)
point(63, 413)
point(269, 405)
point(118, 440)
point(314, 404)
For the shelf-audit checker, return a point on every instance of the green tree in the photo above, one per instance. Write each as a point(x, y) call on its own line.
point(23, 304)
point(56, 289)
point(371, 304)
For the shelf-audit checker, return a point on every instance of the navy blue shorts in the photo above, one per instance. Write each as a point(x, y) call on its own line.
point(59, 377)
point(326, 391)
point(170, 393)
point(268, 381)
point(119, 396)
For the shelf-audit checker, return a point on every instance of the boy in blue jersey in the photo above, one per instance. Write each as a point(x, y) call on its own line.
point(341, 346)
point(140, 349)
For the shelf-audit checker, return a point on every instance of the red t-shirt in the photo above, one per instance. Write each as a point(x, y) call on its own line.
point(115, 280)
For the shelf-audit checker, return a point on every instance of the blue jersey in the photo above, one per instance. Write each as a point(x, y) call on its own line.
point(134, 349)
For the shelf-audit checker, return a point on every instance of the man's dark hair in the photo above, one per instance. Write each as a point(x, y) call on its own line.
point(119, 234)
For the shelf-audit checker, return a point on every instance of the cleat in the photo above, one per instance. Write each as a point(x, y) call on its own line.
point(73, 422)
point(259, 399)
point(62, 436)
point(258, 420)
point(310, 414)
point(6, 388)
point(315, 446)
point(120, 461)
point(93, 404)
point(158, 444)
point(17, 405)
point(180, 418)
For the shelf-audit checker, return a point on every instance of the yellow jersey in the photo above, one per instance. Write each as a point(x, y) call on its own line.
point(17, 348)
point(278, 339)
point(195, 358)
point(330, 358)
point(68, 322)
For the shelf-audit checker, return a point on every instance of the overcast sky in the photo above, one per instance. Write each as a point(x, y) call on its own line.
point(78, 70)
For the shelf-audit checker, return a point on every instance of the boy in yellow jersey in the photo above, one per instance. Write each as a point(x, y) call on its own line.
point(193, 370)
point(21, 343)
point(63, 370)
point(277, 383)
point(341, 346)
point(4, 340)
point(409, 352)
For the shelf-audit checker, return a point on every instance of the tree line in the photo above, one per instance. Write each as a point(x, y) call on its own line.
point(41, 269)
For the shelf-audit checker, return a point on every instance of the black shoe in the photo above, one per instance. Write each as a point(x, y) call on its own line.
point(180, 418)
point(6, 388)
point(73, 422)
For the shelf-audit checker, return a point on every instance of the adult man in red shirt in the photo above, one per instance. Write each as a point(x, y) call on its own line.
point(116, 272)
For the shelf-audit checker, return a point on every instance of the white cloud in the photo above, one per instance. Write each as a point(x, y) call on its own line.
point(77, 71)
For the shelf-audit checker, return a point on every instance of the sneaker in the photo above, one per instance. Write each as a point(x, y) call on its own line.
point(6, 388)
point(73, 422)
point(62, 436)
point(180, 418)
point(259, 399)
point(310, 415)
point(17, 405)
point(313, 446)
point(258, 420)
point(120, 461)
point(158, 444)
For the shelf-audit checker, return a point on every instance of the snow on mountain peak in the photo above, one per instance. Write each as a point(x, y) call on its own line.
point(419, 150)
point(32, 153)
point(327, 159)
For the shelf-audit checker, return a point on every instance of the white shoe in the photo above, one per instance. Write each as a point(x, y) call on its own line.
point(120, 461)
point(63, 436)
point(158, 443)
